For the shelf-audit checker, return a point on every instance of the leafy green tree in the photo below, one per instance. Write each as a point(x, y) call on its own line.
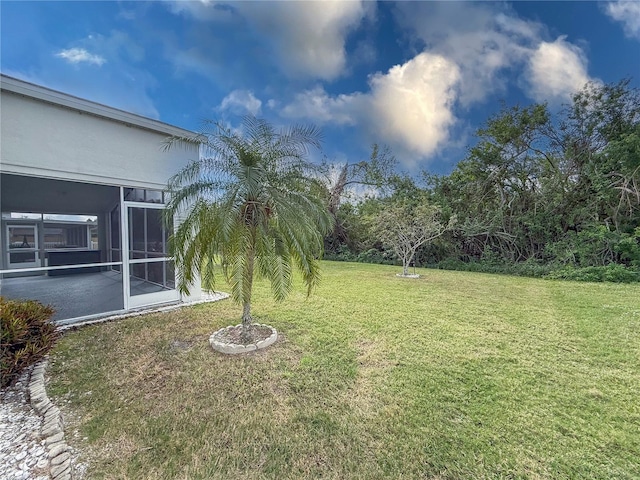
point(250, 203)
point(601, 142)
point(495, 191)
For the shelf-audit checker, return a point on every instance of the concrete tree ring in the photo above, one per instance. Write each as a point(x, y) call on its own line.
point(222, 346)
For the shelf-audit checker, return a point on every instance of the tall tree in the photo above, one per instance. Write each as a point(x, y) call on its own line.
point(495, 190)
point(250, 202)
point(600, 138)
point(376, 173)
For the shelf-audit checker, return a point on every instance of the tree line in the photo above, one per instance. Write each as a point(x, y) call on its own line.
point(540, 193)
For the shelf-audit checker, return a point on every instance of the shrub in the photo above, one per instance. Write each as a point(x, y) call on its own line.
point(341, 254)
point(609, 273)
point(26, 335)
point(528, 268)
point(373, 255)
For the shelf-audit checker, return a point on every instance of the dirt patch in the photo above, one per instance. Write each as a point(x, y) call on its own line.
point(234, 335)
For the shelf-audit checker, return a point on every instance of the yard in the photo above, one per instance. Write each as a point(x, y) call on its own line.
point(453, 376)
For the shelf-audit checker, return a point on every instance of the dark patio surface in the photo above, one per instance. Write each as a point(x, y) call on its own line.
point(71, 295)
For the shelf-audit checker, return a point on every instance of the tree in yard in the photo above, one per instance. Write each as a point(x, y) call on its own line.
point(249, 204)
point(404, 227)
point(375, 174)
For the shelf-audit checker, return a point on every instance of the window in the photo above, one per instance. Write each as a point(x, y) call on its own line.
point(142, 195)
point(66, 235)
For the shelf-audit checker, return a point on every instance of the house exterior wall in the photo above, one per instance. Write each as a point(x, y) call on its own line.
point(45, 139)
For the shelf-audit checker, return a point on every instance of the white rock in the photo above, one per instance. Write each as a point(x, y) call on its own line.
point(22, 449)
point(57, 450)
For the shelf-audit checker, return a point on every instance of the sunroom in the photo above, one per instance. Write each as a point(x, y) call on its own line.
point(81, 201)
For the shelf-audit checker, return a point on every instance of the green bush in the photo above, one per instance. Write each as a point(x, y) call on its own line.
point(373, 255)
point(629, 248)
point(609, 273)
point(26, 335)
point(342, 254)
point(529, 268)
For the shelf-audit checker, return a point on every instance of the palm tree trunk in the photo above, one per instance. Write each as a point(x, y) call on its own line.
point(246, 321)
point(246, 304)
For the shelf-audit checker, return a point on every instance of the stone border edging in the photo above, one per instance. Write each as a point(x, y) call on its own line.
point(234, 348)
point(58, 452)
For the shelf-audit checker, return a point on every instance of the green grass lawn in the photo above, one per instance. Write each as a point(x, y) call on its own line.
point(456, 375)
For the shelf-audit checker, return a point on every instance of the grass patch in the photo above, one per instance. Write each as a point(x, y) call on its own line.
point(453, 376)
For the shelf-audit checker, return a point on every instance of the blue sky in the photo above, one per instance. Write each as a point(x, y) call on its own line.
point(419, 77)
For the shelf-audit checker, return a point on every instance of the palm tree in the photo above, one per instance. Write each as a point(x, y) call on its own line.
point(249, 204)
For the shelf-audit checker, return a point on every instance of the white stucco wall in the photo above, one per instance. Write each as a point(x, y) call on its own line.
point(47, 140)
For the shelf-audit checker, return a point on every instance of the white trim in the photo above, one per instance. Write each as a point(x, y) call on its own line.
point(68, 322)
point(150, 260)
point(73, 176)
point(124, 249)
point(157, 206)
point(60, 267)
point(136, 301)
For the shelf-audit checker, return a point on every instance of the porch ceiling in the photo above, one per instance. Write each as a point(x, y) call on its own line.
point(41, 195)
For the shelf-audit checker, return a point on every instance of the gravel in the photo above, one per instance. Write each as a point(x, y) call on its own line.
point(26, 451)
point(23, 453)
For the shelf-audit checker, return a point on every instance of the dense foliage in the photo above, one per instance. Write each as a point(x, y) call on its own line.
point(539, 194)
point(26, 335)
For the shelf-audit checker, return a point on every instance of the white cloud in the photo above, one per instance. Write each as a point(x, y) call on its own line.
point(240, 102)
point(409, 108)
point(482, 40)
point(556, 70)
point(308, 38)
point(317, 105)
point(127, 14)
point(628, 13)
point(412, 103)
point(489, 43)
point(119, 82)
point(205, 10)
point(80, 55)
